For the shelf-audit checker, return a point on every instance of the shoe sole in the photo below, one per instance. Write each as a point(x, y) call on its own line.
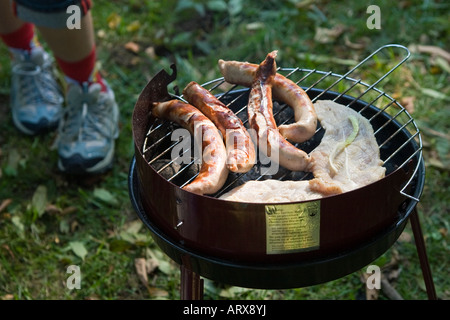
point(29, 132)
point(100, 167)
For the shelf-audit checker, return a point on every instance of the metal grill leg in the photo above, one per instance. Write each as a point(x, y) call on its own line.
point(423, 258)
point(191, 286)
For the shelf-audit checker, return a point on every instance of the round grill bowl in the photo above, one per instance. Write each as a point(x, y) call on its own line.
point(227, 241)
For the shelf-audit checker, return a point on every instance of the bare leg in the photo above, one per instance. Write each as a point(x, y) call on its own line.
point(71, 44)
point(8, 21)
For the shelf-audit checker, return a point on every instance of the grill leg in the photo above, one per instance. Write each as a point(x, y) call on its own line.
point(191, 286)
point(421, 251)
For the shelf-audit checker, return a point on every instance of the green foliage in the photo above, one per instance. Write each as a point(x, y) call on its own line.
point(49, 221)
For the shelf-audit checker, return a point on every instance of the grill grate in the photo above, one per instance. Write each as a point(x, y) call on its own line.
point(396, 132)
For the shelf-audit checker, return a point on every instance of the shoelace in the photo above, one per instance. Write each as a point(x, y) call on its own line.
point(36, 83)
point(87, 119)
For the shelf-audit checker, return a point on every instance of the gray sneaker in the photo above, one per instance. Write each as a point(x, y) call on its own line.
point(36, 97)
point(88, 130)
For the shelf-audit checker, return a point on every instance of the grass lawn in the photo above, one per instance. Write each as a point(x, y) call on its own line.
point(49, 221)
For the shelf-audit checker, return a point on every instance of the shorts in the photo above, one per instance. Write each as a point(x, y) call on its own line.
point(48, 13)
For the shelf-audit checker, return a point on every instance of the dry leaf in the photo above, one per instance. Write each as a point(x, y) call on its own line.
point(52, 209)
point(254, 26)
point(156, 292)
point(433, 50)
point(324, 35)
point(151, 265)
point(132, 46)
point(363, 42)
point(73, 226)
point(408, 103)
point(5, 203)
point(39, 200)
point(405, 237)
point(141, 270)
point(68, 210)
point(113, 20)
point(150, 52)
point(101, 34)
point(134, 26)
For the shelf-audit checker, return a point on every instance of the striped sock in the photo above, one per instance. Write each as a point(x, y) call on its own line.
point(21, 39)
point(82, 70)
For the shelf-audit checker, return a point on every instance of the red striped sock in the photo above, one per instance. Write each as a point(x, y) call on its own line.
point(21, 38)
point(82, 70)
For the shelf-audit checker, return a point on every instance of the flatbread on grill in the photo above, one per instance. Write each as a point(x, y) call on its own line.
point(336, 167)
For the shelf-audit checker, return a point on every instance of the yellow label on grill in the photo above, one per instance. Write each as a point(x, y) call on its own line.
point(292, 227)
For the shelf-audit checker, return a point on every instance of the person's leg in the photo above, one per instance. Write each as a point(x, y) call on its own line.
point(90, 123)
point(36, 98)
point(70, 45)
point(8, 21)
point(74, 50)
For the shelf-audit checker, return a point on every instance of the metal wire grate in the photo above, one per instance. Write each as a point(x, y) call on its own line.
point(396, 132)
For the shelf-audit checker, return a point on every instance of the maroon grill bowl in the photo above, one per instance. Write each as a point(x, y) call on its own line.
point(226, 240)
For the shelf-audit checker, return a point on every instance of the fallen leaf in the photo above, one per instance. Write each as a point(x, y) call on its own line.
point(362, 44)
point(105, 196)
point(114, 20)
point(19, 225)
point(141, 269)
point(39, 200)
point(78, 248)
point(134, 26)
point(133, 227)
point(151, 265)
point(442, 64)
point(304, 3)
point(69, 210)
point(150, 52)
point(73, 226)
point(5, 203)
point(156, 292)
point(132, 46)
point(119, 245)
point(326, 35)
point(64, 226)
point(8, 249)
point(166, 267)
point(408, 103)
point(433, 50)
point(325, 59)
point(12, 164)
point(101, 34)
point(253, 26)
point(435, 94)
point(52, 209)
point(405, 237)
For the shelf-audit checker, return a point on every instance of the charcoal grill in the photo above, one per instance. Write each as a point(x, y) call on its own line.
point(228, 241)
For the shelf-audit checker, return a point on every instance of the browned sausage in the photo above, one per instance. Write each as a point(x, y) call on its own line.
point(260, 116)
point(241, 154)
point(213, 171)
point(284, 90)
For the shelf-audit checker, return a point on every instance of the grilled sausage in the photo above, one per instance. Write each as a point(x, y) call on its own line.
point(213, 172)
point(241, 154)
point(260, 115)
point(284, 90)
